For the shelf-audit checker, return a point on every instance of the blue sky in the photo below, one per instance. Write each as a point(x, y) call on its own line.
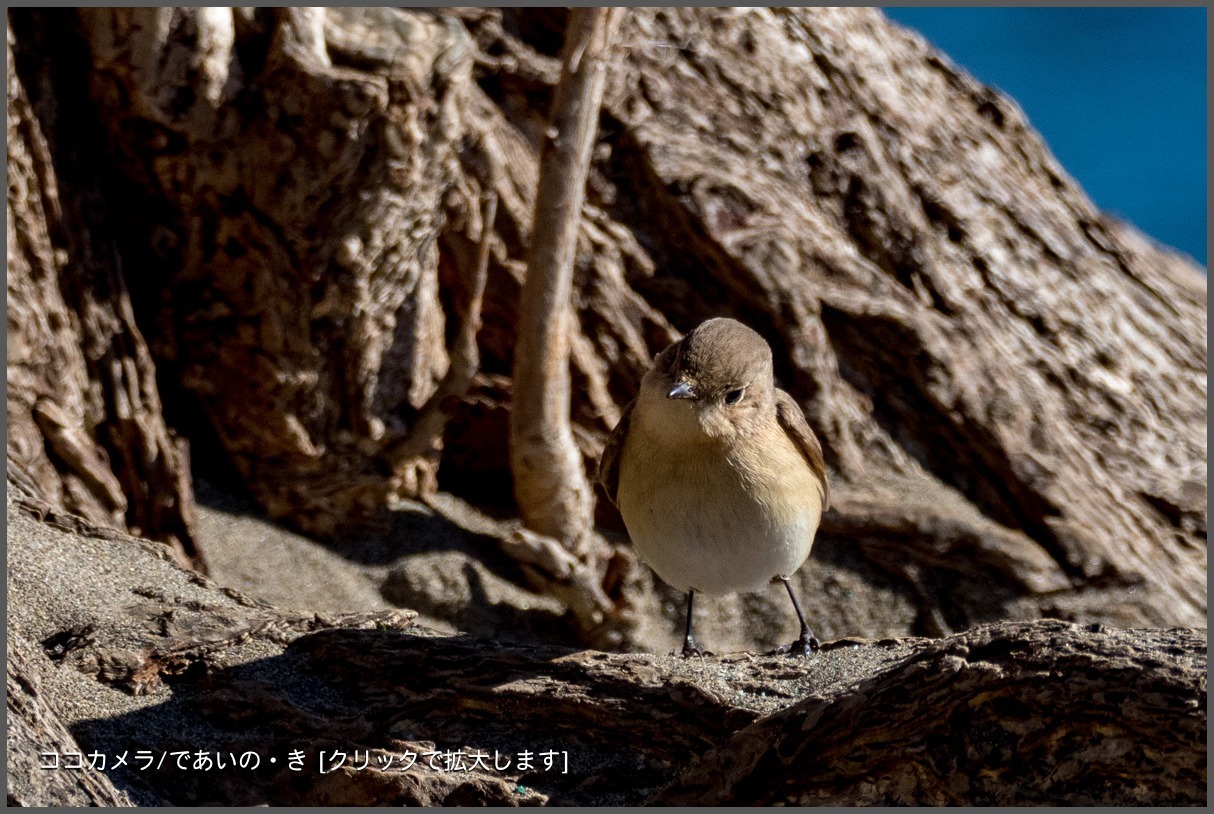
point(1119, 94)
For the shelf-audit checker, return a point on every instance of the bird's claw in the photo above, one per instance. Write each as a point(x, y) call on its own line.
point(690, 648)
point(804, 647)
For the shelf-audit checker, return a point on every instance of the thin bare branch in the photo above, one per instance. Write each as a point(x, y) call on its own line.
point(550, 482)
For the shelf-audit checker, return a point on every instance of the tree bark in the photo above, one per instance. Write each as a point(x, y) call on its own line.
point(85, 427)
point(1042, 713)
point(550, 483)
point(291, 282)
point(928, 277)
point(465, 360)
point(1010, 388)
point(150, 657)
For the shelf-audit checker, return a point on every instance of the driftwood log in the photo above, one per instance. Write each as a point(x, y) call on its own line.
point(146, 658)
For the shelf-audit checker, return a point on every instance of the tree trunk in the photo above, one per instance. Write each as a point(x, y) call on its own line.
point(85, 428)
point(1042, 713)
point(275, 325)
point(150, 658)
point(1010, 387)
point(550, 483)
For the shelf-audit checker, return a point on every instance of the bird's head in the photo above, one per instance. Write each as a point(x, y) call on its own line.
point(714, 380)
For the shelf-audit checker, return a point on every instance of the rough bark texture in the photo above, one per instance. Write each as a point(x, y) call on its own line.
point(85, 427)
point(147, 656)
point(296, 200)
point(1010, 387)
point(999, 715)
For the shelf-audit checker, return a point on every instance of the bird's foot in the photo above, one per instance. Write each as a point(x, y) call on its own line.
point(804, 647)
point(690, 648)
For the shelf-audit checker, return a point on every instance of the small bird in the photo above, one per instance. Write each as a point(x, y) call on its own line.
point(719, 479)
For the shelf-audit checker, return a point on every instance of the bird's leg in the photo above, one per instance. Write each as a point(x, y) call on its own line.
point(807, 643)
point(690, 648)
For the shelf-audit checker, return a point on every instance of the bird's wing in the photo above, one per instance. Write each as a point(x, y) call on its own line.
point(793, 422)
point(609, 464)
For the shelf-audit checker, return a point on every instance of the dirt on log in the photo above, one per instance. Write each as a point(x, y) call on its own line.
point(145, 658)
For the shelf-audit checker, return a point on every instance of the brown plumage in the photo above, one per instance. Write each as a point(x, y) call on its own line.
point(716, 472)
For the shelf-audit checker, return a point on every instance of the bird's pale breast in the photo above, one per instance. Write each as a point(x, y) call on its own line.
point(714, 516)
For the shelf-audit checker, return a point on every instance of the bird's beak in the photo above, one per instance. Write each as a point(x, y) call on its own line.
point(682, 390)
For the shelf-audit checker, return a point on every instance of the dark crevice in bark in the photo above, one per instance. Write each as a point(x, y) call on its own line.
point(542, 29)
point(143, 450)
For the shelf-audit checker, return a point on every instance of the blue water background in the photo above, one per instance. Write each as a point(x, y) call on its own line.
point(1119, 94)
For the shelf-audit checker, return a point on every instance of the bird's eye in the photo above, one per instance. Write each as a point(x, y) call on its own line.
point(734, 396)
